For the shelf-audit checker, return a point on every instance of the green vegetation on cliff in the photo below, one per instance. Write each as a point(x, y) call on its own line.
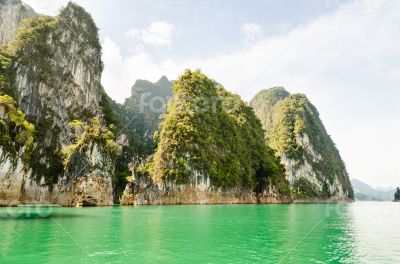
point(264, 101)
point(291, 124)
point(210, 131)
point(73, 16)
point(30, 47)
point(87, 134)
point(133, 146)
point(34, 31)
point(7, 74)
point(40, 43)
point(32, 50)
point(16, 133)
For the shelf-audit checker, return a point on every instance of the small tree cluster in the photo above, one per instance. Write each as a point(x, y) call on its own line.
point(15, 132)
point(397, 194)
point(90, 133)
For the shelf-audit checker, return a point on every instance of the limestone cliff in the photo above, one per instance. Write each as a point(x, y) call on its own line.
point(147, 102)
point(56, 71)
point(208, 151)
point(64, 141)
point(142, 190)
point(293, 128)
point(12, 12)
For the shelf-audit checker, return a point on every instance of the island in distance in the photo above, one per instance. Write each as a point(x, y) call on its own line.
point(365, 192)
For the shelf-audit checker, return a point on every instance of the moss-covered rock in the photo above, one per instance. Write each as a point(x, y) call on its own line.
point(7, 74)
point(53, 69)
point(211, 135)
point(295, 131)
point(16, 133)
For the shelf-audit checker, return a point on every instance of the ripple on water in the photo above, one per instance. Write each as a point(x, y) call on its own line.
point(351, 233)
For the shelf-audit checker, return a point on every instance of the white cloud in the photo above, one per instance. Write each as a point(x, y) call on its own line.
point(157, 34)
point(346, 62)
point(252, 31)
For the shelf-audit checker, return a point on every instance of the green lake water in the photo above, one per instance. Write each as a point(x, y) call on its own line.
point(360, 232)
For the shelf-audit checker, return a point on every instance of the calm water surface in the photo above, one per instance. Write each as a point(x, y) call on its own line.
point(361, 232)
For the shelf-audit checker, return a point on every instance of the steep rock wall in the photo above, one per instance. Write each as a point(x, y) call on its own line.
point(57, 64)
point(143, 191)
point(293, 128)
point(12, 12)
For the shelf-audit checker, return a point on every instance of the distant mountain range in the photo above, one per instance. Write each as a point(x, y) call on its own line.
point(365, 192)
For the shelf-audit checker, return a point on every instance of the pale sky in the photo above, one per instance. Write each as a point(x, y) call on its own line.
point(344, 55)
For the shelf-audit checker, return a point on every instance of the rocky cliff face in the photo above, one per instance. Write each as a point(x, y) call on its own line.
point(208, 152)
point(59, 75)
point(12, 12)
point(56, 79)
point(143, 189)
point(293, 128)
point(147, 102)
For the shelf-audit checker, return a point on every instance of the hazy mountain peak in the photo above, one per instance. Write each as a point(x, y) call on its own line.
point(163, 81)
point(365, 192)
